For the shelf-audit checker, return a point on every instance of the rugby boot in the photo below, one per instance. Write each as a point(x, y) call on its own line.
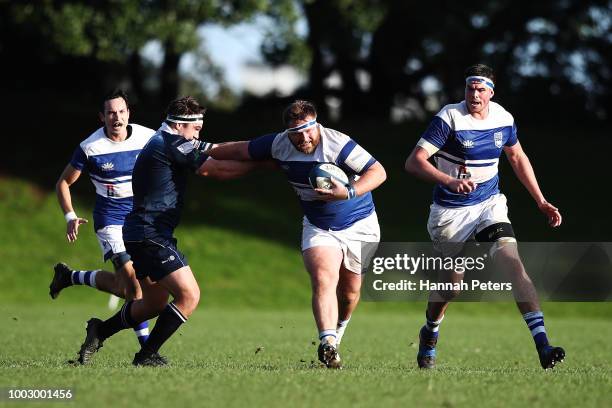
point(550, 356)
point(329, 356)
point(426, 357)
point(92, 343)
point(61, 279)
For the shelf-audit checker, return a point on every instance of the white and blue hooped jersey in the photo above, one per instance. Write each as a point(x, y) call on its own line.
point(466, 147)
point(110, 166)
point(334, 147)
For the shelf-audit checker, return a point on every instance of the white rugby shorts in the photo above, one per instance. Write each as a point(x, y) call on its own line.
point(448, 227)
point(349, 240)
point(110, 239)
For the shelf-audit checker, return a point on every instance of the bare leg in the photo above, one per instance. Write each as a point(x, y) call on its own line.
point(182, 285)
point(323, 265)
point(153, 301)
point(439, 300)
point(348, 292)
point(108, 282)
point(508, 259)
point(127, 284)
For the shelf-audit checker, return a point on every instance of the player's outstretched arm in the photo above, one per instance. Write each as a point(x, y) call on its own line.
point(524, 171)
point(230, 169)
point(418, 165)
point(62, 188)
point(231, 151)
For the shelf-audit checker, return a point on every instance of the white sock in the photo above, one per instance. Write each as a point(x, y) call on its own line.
point(340, 329)
point(327, 336)
point(433, 325)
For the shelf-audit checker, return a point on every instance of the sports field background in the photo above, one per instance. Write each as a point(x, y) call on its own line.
point(242, 240)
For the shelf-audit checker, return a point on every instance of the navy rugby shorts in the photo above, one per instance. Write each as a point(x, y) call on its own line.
point(155, 258)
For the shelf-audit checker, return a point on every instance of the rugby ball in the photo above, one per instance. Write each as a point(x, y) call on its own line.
point(321, 174)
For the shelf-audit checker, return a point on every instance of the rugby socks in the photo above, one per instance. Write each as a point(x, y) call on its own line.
point(535, 323)
point(169, 320)
point(340, 328)
point(433, 325)
point(121, 320)
point(84, 278)
point(328, 336)
point(142, 332)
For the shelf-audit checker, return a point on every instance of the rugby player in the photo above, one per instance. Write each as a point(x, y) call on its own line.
point(108, 156)
point(466, 140)
point(336, 221)
point(159, 182)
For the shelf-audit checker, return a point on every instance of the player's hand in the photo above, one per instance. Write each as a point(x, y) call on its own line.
point(552, 213)
point(464, 186)
point(336, 193)
point(72, 228)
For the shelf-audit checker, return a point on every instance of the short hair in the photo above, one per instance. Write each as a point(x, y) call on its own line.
point(186, 105)
point(298, 110)
point(480, 70)
point(114, 94)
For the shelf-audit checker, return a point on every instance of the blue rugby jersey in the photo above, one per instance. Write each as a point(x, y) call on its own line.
point(110, 166)
point(160, 177)
point(466, 147)
point(334, 147)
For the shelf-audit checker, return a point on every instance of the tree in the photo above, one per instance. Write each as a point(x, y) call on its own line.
point(558, 48)
point(103, 39)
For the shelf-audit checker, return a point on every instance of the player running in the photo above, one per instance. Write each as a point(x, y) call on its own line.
point(108, 155)
point(466, 140)
point(336, 222)
point(159, 181)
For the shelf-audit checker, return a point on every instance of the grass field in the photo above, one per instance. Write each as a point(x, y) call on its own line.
point(242, 241)
point(483, 361)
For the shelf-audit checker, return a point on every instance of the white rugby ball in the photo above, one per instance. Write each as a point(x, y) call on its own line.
point(321, 174)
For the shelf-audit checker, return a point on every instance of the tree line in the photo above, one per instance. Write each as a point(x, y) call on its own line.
point(367, 57)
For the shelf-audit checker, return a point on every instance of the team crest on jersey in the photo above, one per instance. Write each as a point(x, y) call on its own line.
point(108, 166)
point(468, 144)
point(499, 139)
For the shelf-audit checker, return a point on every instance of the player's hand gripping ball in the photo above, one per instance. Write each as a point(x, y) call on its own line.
point(321, 174)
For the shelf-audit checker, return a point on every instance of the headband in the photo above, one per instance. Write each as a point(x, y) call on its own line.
point(480, 79)
point(197, 119)
point(303, 126)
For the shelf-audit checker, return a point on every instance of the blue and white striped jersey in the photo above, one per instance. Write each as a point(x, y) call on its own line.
point(466, 147)
point(334, 147)
point(110, 166)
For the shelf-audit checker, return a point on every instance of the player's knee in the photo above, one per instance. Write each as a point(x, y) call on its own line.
point(322, 280)
point(512, 263)
point(188, 299)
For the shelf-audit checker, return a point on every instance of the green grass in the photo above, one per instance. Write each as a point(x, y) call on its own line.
point(242, 240)
point(483, 361)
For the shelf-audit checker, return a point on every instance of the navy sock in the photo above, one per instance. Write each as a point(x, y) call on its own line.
point(169, 320)
point(121, 320)
point(535, 323)
point(142, 332)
